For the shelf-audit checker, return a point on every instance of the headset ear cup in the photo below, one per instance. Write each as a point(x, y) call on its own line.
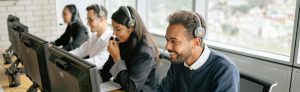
point(74, 15)
point(196, 33)
point(199, 32)
point(100, 13)
point(131, 23)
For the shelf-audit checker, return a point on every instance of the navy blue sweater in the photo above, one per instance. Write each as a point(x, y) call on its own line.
point(218, 74)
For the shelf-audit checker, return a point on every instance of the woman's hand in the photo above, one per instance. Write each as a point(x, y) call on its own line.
point(114, 51)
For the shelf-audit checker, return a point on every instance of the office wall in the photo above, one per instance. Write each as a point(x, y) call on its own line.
point(38, 15)
point(295, 80)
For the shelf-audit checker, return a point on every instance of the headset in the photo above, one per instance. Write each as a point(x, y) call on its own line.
point(100, 11)
point(131, 21)
point(199, 32)
point(74, 14)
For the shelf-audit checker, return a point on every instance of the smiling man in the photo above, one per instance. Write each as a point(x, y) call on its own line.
point(195, 67)
point(94, 50)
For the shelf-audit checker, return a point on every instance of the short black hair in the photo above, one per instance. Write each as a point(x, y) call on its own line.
point(97, 10)
point(188, 20)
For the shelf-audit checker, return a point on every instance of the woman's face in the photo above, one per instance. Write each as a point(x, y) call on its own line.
point(67, 15)
point(121, 31)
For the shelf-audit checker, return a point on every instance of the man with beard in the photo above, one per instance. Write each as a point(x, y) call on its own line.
point(195, 67)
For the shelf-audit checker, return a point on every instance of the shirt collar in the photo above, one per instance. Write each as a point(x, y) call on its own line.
point(106, 34)
point(200, 61)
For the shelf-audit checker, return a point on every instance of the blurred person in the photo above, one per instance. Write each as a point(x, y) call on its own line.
point(134, 56)
point(76, 32)
point(94, 50)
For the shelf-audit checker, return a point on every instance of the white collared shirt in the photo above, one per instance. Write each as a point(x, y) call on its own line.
point(96, 48)
point(200, 61)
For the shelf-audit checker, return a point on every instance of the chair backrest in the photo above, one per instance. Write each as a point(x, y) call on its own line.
point(251, 83)
point(163, 68)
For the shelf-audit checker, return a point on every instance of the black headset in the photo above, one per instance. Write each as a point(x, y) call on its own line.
point(199, 32)
point(74, 14)
point(131, 21)
point(100, 11)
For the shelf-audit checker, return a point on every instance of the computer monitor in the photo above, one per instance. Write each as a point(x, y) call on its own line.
point(34, 56)
point(14, 30)
point(72, 74)
point(10, 21)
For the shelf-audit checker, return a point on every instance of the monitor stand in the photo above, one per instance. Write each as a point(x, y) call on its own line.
point(13, 73)
point(7, 54)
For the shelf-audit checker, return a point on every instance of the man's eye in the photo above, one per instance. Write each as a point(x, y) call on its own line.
point(173, 41)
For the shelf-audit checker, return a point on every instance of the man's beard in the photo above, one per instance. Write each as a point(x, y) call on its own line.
point(182, 57)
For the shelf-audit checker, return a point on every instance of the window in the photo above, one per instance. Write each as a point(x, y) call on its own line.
point(115, 5)
point(261, 25)
point(159, 10)
point(298, 61)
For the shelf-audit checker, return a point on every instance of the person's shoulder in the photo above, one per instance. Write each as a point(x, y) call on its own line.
point(80, 27)
point(145, 49)
point(145, 46)
point(108, 32)
point(222, 60)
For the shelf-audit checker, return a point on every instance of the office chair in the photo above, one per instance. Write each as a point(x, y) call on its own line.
point(259, 83)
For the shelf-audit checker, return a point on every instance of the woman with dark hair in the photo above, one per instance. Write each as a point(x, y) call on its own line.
point(76, 32)
point(134, 56)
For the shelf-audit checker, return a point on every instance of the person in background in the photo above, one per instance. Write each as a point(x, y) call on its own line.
point(94, 50)
point(134, 56)
point(76, 32)
point(195, 67)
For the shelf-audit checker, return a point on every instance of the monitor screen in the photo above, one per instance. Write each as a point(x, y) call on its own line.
point(34, 57)
point(71, 74)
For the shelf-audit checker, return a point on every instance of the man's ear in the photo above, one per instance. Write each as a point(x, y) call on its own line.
point(102, 19)
point(197, 42)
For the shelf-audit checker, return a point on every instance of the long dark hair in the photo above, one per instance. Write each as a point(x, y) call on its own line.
point(75, 14)
point(140, 32)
